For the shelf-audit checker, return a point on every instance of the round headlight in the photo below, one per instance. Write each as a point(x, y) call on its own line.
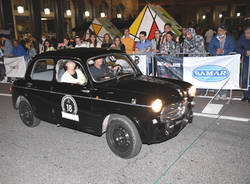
point(192, 91)
point(157, 105)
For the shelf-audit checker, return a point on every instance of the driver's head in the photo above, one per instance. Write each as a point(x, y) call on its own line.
point(70, 65)
point(98, 62)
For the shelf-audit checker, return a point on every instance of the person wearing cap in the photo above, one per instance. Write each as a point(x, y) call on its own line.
point(193, 44)
point(222, 43)
point(8, 47)
point(243, 47)
point(73, 75)
point(100, 71)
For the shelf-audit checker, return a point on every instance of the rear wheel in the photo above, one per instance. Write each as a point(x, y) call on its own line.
point(123, 137)
point(27, 115)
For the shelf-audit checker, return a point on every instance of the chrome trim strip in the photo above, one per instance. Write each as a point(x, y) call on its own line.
point(90, 98)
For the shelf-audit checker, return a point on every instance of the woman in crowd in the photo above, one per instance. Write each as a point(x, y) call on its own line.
point(118, 44)
point(41, 43)
point(92, 41)
point(107, 41)
point(48, 46)
point(156, 42)
point(169, 47)
point(31, 51)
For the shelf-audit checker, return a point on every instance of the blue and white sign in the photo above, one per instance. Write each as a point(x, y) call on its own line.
point(212, 72)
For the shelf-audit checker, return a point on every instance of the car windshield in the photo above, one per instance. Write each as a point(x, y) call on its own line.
point(104, 68)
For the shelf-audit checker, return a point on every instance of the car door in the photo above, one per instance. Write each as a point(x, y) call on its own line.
point(38, 87)
point(72, 104)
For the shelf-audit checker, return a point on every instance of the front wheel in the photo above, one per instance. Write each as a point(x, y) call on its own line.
point(27, 115)
point(123, 137)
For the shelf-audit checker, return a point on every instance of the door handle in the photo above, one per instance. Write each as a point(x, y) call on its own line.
point(85, 91)
point(29, 84)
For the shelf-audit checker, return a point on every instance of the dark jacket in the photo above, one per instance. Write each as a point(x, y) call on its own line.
point(215, 44)
point(243, 46)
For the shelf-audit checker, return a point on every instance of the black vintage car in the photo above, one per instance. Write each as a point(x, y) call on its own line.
point(98, 91)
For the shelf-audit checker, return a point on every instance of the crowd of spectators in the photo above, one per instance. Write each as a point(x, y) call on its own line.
point(189, 43)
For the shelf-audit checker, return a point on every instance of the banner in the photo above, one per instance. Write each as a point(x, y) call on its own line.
point(141, 61)
point(15, 67)
point(202, 72)
point(169, 67)
point(212, 72)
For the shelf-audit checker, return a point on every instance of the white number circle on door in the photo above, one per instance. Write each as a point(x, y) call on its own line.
point(69, 105)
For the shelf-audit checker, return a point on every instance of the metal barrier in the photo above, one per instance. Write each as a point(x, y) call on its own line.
point(155, 73)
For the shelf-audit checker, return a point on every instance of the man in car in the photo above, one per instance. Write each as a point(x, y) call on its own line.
point(101, 71)
point(73, 75)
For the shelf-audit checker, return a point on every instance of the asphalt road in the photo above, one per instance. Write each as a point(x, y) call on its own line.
point(209, 151)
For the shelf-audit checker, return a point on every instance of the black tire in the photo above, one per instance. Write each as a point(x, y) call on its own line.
point(122, 137)
point(27, 115)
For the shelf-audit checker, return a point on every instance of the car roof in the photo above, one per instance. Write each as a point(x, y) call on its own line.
point(83, 53)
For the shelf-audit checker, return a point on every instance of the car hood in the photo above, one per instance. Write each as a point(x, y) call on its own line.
point(145, 86)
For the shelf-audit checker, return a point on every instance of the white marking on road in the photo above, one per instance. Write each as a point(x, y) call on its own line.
point(3, 94)
point(236, 99)
point(222, 117)
point(212, 108)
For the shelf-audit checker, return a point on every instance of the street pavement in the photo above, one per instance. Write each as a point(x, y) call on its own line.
point(208, 151)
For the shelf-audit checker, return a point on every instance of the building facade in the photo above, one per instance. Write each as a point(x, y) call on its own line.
point(58, 17)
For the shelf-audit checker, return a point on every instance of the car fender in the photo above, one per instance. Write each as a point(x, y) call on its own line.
point(109, 117)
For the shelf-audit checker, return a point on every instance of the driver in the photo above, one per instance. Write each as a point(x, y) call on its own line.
point(101, 71)
point(73, 75)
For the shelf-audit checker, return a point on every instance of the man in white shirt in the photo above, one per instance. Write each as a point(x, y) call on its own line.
point(79, 42)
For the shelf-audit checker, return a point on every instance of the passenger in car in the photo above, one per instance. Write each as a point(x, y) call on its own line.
point(73, 75)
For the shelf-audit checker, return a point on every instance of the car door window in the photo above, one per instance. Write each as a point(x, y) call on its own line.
point(70, 71)
point(43, 70)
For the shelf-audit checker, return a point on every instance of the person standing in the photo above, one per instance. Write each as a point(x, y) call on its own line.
point(243, 47)
point(31, 51)
point(41, 44)
point(18, 50)
point(156, 42)
point(66, 44)
point(193, 44)
point(7, 46)
point(222, 43)
point(107, 41)
point(118, 44)
point(128, 42)
point(2, 68)
point(144, 47)
point(208, 36)
point(92, 41)
point(79, 42)
point(47, 46)
point(167, 28)
point(169, 46)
